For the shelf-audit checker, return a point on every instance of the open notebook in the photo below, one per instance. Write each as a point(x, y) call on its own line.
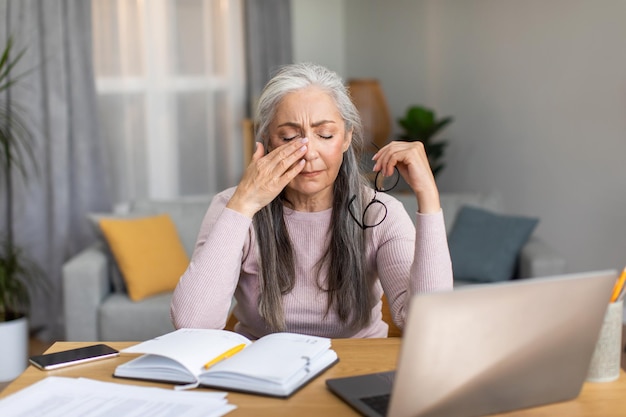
point(277, 364)
point(489, 348)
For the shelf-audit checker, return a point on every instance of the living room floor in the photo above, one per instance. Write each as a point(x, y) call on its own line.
point(37, 347)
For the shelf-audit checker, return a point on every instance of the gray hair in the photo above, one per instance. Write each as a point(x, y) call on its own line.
point(296, 77)
point(349, 287)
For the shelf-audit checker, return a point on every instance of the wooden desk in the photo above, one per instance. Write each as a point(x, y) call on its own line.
point(357, 356)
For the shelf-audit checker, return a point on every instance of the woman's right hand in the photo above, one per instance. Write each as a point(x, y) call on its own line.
point(267, 175)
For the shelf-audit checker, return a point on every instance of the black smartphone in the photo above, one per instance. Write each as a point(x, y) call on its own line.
point(69, 357)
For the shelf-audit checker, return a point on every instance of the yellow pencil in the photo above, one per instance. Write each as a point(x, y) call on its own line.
point(227, 354)
point(617, 289)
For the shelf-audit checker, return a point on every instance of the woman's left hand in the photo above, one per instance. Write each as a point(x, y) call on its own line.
point(412, 163)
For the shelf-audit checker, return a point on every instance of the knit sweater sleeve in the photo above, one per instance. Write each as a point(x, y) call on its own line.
point(412, 260)
point(204, 293)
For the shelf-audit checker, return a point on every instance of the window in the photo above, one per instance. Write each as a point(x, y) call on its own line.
point(170, 82)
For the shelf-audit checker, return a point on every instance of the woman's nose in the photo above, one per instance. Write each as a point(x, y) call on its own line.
point(311, 152)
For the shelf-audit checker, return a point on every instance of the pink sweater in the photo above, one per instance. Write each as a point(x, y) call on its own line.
point(406, 259)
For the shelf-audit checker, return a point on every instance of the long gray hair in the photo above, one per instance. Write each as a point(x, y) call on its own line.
point(349, 289)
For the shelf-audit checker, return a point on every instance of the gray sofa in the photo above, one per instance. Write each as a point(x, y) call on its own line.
point(94, 311)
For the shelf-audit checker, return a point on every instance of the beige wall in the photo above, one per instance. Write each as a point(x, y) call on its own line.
point(538, 91)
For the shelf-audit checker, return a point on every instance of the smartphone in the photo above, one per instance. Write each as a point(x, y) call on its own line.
point(49, 361)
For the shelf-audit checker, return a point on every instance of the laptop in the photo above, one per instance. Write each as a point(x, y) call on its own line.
point(489, 348)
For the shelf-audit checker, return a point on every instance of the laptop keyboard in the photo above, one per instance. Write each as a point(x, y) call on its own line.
point(379, 403)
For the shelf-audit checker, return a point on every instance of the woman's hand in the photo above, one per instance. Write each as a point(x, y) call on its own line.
point(412, 163)
point(267, 175)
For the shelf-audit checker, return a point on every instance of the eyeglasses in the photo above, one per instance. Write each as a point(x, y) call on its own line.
point(381, 184)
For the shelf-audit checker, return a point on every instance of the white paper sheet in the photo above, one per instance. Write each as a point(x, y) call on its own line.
point(82, 397)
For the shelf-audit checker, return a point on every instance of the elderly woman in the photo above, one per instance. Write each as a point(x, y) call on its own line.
point(303, 243)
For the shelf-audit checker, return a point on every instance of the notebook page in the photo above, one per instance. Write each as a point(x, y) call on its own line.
point(191, 347)
point(275, 357)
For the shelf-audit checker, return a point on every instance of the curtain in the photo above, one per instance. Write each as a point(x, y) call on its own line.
point(269, 45)
point(79, 135)
point(58, 99)
point(171, 94)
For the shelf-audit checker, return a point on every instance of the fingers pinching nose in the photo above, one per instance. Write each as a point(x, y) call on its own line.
point(304, 141)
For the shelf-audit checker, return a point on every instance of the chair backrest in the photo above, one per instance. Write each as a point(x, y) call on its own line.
point(230, 323)
point(248, 140)
point(394, 331)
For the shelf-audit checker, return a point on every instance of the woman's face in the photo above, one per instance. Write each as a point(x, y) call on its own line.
point(311, 113)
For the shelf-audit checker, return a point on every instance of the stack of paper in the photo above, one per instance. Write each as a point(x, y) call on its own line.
point(82, 397)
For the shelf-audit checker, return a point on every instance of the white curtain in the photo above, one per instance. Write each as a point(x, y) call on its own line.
point(268, 39)
point(171, 94)
point(58, 100)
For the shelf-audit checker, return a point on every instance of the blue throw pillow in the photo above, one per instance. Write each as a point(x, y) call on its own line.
point(484, 245)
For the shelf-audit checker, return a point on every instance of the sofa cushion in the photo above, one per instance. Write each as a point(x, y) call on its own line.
point(115, 275)
point(148, 252)
point(186, 212)
point(451, 203)
point(484, 245)
point(120, 319)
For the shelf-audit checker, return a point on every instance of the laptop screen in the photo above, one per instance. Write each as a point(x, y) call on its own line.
point(491, 348)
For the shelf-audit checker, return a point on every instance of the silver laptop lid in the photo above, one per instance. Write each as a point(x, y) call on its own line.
point(491, 348)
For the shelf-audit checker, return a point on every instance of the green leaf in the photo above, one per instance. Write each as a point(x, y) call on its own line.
point(421, 124)
point(441, 124)
point(6, 65)
point(19, 276)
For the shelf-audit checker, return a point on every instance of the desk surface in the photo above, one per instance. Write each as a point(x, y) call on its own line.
point(357, 356)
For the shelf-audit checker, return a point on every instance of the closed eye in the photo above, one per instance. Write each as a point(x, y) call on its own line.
point(326, 137)
point(290, 139)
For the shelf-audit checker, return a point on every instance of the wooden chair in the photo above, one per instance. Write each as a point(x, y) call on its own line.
point(230, 323)
point(394, 331)
point(248, 141)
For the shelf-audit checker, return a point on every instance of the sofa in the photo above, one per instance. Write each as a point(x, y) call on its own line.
point(96, 308)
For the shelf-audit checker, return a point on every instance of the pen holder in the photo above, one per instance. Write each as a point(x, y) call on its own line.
point(605, 362)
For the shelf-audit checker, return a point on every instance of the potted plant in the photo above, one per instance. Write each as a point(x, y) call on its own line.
point(17, 272)
point(421, 124)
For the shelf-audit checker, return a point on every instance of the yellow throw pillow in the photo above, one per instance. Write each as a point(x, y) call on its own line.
point(148, 251)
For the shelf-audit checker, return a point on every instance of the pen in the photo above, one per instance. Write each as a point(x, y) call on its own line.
point(225, 355)
point(619, 285)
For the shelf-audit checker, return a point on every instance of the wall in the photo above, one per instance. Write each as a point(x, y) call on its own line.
point(386, 40)
point(538, 92)
point(318, 32)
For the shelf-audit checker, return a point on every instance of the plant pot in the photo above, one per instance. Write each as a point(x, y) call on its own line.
point(13, 348)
